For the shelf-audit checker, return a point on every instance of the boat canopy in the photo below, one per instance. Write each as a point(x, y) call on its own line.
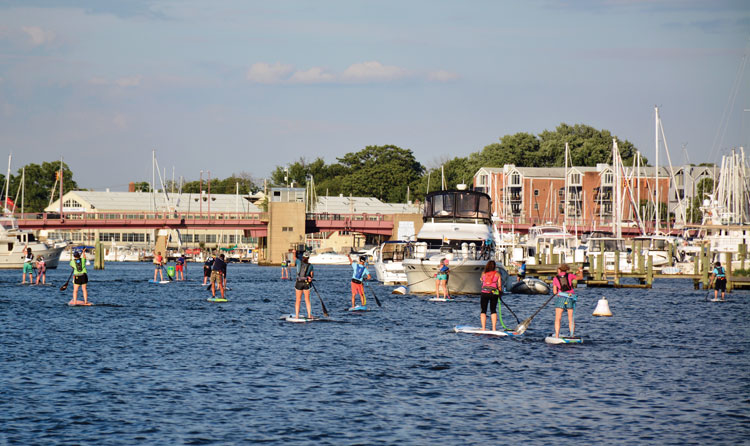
point(451, 204)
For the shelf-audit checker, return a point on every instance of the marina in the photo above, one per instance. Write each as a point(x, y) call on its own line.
point(149, 364)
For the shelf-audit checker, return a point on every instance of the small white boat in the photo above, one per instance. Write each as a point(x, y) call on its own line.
point(388, 262)
point(329, 258)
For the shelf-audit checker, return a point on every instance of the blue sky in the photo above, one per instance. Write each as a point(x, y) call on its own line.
point(232, 86)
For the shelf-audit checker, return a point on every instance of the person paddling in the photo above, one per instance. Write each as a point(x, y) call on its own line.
point(566, 298)
point(284, 270)
point(719, 280)
point(442, 279)
point(80, 278)
point(179, 267)
point(492, 283)
point(218, 272)
point(158, 263)
point(28, 267)
point(41, 270)
point(359, 272)
point(302, 285)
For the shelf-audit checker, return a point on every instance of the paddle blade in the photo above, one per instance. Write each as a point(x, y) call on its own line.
point(399, 290)
point(523, 326)
point(64, 287)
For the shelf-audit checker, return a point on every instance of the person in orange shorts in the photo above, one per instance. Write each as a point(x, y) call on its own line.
point(359, 272)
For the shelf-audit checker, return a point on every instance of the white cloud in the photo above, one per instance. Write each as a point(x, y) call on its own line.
point(442, 76)
point(372, 71)
point(120, 121)
point(124, 82)
point(38, 35)
point(264, 73)
point(314, 75)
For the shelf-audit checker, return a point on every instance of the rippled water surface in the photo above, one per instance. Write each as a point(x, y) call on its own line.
point(157, 364)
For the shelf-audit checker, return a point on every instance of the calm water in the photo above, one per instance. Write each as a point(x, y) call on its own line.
point(157, 364)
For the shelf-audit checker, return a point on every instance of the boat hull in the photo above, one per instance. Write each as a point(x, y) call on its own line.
point(530, 286)
point(465, 276)
point(14, 260)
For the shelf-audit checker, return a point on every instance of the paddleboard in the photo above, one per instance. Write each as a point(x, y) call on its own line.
point(158, 281)
point(716, 300)
point(441, 299)
point(301, 319)
point(360, 308)
point(563, 340)
point(478, 330)
point(216, 299)
point(79, 303)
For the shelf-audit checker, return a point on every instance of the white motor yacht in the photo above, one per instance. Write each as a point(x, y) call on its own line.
point(456, 224)
point(13, 241)
point(329, 258)
point(608, 247)
point(388, 262)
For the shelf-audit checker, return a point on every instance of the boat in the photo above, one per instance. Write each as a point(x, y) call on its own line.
point(656, 247)
point(609, 248)
point(13, 241)
point(329, 258)
point(388, 262)
point(530, 285)
point(551, 240)
point(456, 224)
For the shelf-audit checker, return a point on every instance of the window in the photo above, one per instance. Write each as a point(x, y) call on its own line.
point(515, 179)
point(536, 206)
point(109, 236)
point(575, 178)
point(482, 180)
point(70, 203)
point(561, 192)
point(210, 238)
point(536, 192)
point(609, 178)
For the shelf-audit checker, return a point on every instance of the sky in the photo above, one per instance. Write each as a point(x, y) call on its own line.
point(232, 86)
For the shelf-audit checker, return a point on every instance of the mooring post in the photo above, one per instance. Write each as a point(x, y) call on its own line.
point(742, 254)
point(728, 270)
point(670, 254)
point(704, 266)
point(617, 267)
point(650, 271)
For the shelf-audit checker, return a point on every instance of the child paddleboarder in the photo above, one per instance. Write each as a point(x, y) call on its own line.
point(359, 272)
point(719, 280)
point(28, 265)
point(442, 279)
point(302, 284)
point(41, 270)
point(158, 264)
point(80, 278)
point(492, 283)
point(562, 286)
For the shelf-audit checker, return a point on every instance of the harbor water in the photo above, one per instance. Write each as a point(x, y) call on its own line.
point(158, 364)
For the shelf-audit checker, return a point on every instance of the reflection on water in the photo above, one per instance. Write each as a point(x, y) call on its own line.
point(158, 364)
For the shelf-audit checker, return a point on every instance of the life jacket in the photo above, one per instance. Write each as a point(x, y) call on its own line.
point(489, 280)
point(564, 287)
point(720, 273)
point(359, 272)
point(304, 269)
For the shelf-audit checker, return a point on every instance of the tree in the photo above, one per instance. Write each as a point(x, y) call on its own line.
point(383, 172)
point(38, 183)
point(588, 146)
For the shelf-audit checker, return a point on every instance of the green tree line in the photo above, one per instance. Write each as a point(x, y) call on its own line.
point(38, 184)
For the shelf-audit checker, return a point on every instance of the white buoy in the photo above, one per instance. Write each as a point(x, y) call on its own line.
point(399, 290)
point(602, 308)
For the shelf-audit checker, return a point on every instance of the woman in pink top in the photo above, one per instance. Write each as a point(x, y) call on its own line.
point(492, 283)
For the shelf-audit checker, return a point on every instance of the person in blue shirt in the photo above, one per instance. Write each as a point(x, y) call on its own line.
point(719, 280)
point(180, 267)
point(359, 272)
point(522, 270)
point(442, 279)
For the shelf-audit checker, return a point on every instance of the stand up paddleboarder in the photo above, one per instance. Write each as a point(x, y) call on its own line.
point(359, 272)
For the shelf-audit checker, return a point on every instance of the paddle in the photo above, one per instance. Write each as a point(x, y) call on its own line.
point(325, 311)
point(165, 272)
point(377, 301)
point(511, 311)
point(65, 285)
point(523, 326)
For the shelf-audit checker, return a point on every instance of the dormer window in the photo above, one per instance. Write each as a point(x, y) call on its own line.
point(515, 179)
point(609, 178)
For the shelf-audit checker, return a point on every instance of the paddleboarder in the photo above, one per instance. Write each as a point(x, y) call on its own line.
point(80, 278)
point(719, 280)
point(218, 272)
point(180, 267)
point(492, 283)
point(302, 284)
point(565, 297)
point(41, 270)
point(359, 272)
point(522, 271)
point(284, 270)
point(158, 264)
point(28, 267)
point(442, 279)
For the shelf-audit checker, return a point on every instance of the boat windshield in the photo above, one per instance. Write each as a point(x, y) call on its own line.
point(457, 205)
point(393, 251)
point(611, 245)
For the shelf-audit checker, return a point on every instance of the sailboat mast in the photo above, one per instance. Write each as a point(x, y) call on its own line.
point(565, 214)
point(656, 171)
point(7, 185)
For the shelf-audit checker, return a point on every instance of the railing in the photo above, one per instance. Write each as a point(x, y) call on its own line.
point(104, 216)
